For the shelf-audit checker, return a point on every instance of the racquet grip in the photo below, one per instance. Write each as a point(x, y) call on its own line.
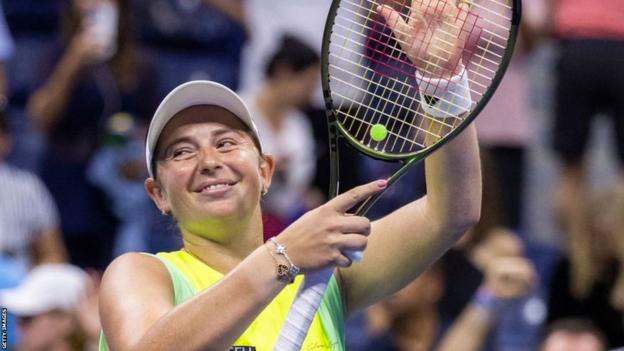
point(302, 311)
point(354, 255)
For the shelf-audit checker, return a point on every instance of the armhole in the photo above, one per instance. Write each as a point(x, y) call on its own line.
point(182, 288)
point(331, 313)
point(182, 291)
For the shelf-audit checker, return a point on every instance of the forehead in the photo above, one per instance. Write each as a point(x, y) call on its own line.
point(202, 115)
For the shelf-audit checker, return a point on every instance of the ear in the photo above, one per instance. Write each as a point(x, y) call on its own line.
point(157, 194)
point(267, 167)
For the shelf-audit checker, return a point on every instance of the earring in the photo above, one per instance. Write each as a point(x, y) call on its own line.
point(265, 191)
point(164, 213)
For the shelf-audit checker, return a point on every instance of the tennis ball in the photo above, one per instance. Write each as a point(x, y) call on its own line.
point(378, 132)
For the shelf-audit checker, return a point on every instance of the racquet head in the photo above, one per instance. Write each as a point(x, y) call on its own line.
point(372, 52)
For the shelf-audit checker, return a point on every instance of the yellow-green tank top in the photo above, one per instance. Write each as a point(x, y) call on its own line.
point(190, 276)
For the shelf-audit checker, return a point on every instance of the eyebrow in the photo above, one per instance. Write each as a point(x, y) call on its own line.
point(222, 131)
point(186, 139)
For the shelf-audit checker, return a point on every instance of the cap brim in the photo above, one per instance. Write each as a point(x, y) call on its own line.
point(21, 303)
point(199, 92)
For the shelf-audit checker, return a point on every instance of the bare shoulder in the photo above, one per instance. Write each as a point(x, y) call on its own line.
point(136, 290)
point(132, 266)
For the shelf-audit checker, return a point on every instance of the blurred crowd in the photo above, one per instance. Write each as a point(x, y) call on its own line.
point(80, 79)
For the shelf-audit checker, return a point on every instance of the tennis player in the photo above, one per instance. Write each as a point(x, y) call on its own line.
point(226, 288)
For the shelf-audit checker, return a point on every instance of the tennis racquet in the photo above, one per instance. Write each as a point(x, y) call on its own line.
point(390, 73)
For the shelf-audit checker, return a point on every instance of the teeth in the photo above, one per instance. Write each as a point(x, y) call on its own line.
point(217, 186)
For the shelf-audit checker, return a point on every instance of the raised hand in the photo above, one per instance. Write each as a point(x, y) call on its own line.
point(321, 237)
point(510, 277)
point(433, 35)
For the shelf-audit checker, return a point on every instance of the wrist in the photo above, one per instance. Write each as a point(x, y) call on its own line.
point(286, 270)
point(484, 299)
point(445, 97)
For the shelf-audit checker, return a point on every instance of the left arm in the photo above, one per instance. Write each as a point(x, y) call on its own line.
point(407, 241)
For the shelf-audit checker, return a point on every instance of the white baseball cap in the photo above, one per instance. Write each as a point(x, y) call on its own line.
point(46, 288)
point(193, 93)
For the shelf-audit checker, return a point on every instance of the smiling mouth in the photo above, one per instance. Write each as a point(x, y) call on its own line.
point(216, 188)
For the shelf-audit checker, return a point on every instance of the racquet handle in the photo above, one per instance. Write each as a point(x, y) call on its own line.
point(302, 311)
point(354, 255)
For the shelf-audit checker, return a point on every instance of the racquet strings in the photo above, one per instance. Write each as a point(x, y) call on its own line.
point(372, 82)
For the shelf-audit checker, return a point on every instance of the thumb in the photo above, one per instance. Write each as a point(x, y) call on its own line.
point(343, 202)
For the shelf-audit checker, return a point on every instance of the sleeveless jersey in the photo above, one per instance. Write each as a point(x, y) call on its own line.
point(190, 276)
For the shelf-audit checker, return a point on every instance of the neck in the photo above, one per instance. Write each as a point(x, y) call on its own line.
point(271, 103)
point(226, 246)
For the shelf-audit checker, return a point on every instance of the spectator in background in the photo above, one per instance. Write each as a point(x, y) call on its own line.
point(194, 40)
point(573, 335)
point(29, 221)
point(47, 304)
point(118, 169)
point(97, 70)
point(466, 266)
point(590, 80)
point(291, 76)
point(506, 279)
point(34, 27)
point(6, 50)
point(602, 294)
point(504, 125)
point(285, 19)
point(408, 320)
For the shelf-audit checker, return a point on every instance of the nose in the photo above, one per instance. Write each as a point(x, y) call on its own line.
point(210, 160)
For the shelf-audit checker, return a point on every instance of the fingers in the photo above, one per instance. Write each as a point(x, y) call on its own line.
point(511, 277)
point(395, 22)
point(351, 248)
point(354, 256)
point(464, 5)
point(355, 224)
point(343, 202)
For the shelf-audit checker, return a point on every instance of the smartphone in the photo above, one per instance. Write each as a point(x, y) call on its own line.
point(101, 25)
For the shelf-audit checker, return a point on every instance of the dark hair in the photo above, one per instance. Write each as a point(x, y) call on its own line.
point(574, 326)
point(292, 53)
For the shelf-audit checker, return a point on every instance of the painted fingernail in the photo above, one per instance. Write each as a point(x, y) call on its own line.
point(382, 183)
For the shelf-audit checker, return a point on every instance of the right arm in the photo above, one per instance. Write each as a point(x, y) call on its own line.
point(137, 311)
point(136, 308)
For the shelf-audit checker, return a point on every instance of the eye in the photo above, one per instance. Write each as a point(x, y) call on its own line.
point(226, 143)
point(181, 153)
